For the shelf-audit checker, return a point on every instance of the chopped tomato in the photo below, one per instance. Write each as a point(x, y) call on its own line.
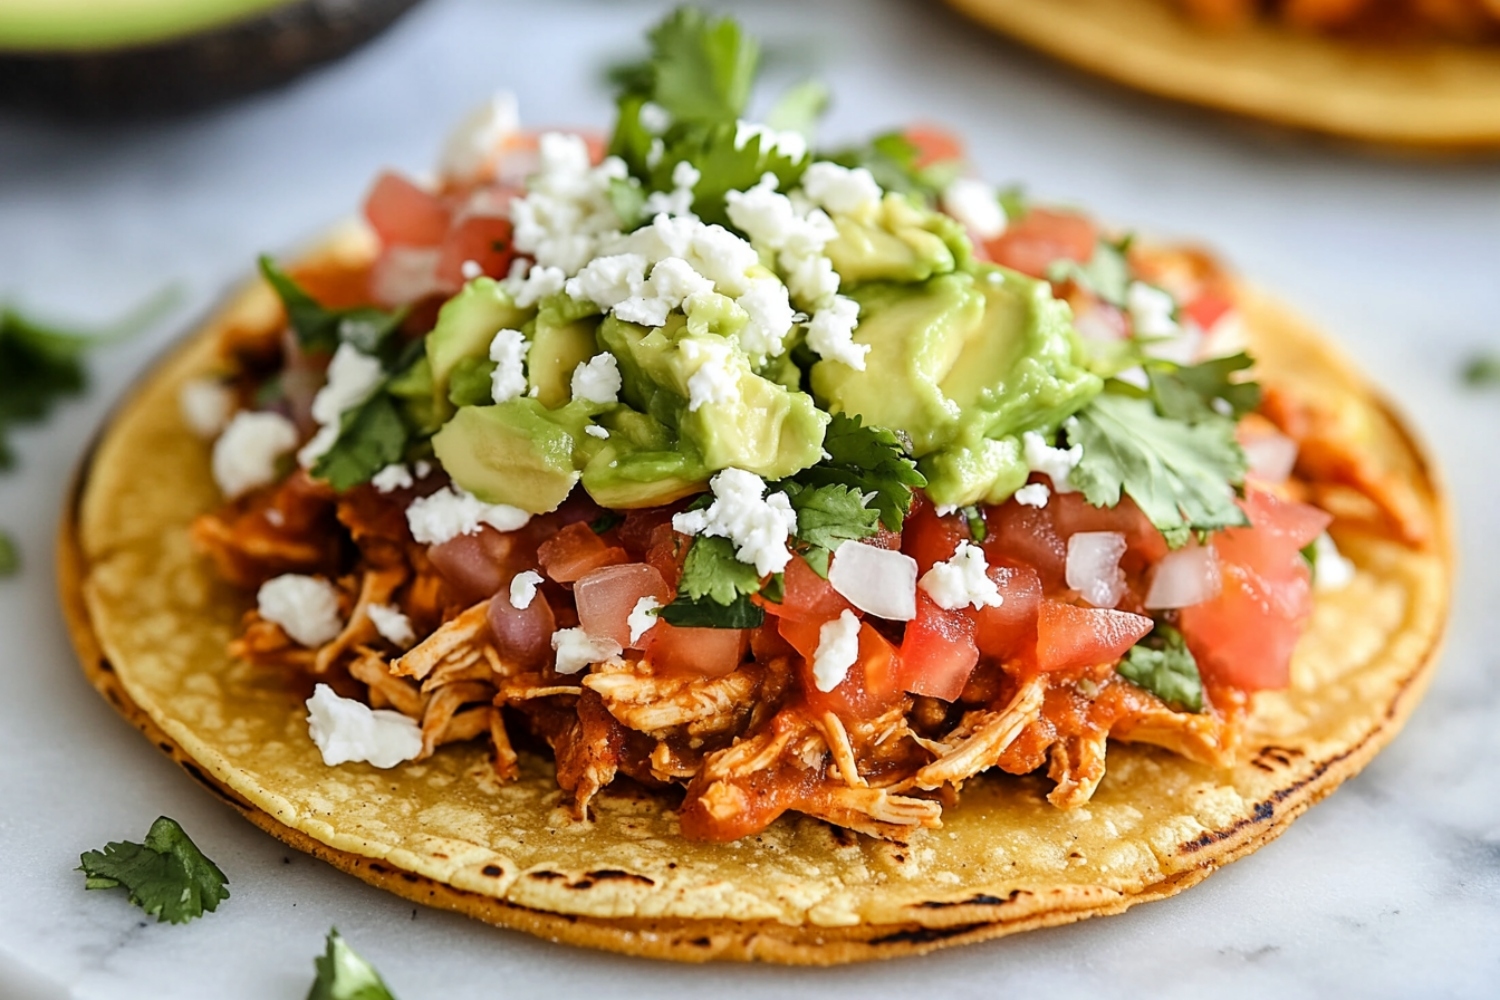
point(606, 598)
point(478, 564)
point(872, 684)
point(574, 551)
point(930, 539)
point(806, 597)
point(1008, 631)
point(1041, 236)
point(938, 652)
point(403, 214)
point(1029, 535)
point(1071, 513)
point(934, 144)
point(712, 652)
point(1245, 637)
point(1069, 637)
point(483, 239)
point(666, 551)
point(1207, 309)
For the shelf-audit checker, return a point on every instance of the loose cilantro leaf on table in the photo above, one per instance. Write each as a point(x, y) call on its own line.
point(319, 328)
point(167, 876)
point(1162, 664)
point(1483, 370)
point(344, 975)
point(870, 461)
point(1181, 475)
point(10, 556)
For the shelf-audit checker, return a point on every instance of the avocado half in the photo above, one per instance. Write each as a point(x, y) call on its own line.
point(111, 57)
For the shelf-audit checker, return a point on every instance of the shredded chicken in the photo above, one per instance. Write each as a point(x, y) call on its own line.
point(376, 588)
point(386, 689)
point(874, 811)
point(837, 738)
point(1203, 738)
point(1077, 765)
point(650, 703)
point(460, 641)
point(444, 705)
point(982, 737)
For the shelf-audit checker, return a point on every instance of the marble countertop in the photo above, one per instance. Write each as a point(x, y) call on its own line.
point(1390, 888)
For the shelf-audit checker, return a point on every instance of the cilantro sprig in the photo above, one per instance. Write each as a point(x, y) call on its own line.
point(319, 328)
point(1162, 664)
point(344, 975)
point(1106, 274)
point(167, 876)
point(866, 480)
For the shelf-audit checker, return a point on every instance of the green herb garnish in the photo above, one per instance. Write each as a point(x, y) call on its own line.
point(871, 461)
point(1106, 274)
point(1162, 664)
point(319, 328)
point(344, 975)
point(167, 876)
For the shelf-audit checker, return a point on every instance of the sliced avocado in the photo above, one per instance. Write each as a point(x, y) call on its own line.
point(638, 464)
point(557, 349)
point(138, 56)
point(465, 326)
point(768, 430)
point(899, 241)
point(963, 364)
point(513, 453)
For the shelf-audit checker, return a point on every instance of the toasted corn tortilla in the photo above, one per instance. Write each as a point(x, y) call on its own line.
point(1437, 95)
point(151, 622)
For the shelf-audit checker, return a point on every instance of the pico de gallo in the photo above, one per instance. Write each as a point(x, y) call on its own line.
point(795, 481)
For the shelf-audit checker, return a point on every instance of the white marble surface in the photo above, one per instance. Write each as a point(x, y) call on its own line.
point(1391, 888)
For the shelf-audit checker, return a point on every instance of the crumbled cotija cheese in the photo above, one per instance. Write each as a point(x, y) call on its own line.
point(758, 525)
point(306, 608)
point(962, 581)
point(394, 627)
point(576, 650)
point(453, 511)
point(347, 731)
point(246, 454)
point(838, 650)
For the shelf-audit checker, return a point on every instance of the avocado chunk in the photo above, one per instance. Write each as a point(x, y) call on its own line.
point(898, 241)
point(963, 365)
point(150, 56)
point(516, 453)
point(759, 425)
point(465, 326)
point(556, 349)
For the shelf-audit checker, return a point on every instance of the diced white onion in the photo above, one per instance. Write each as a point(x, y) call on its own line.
point(1093, 567)
point(880, 582)
point(1186, 577)
point(1271, 456)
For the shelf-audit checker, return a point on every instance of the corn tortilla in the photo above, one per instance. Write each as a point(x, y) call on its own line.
point(1427, 94)
point(151, 621)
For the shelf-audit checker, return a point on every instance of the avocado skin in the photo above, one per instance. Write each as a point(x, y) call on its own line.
point(198, 70)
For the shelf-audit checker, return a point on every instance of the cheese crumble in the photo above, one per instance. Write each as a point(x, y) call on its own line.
point(453, 511)
point(962, 581)
point(247, 453)
point(394, 627)
point(758, 525)
point(346, 731)
point(838, 650)
point(577, 650)
point(523, 589)
point(306, 608)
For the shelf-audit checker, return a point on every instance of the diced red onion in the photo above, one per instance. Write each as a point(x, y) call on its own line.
point(606, 597)
point(1186, 577)
point(1093, 567)
point(1271, 455)
point(475, 565)
point(523, 636)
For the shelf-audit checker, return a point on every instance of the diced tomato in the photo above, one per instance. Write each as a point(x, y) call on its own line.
point(1281, 529)
point(930, 539)
point(1031, 243)
point(712, 652)
point(638, 531)
point(1008, 631)
point(806, 597)
point(1245, 637)
point(607, 596)
point(666, 551)
point(403, 214)
point(482, 239)
point(1018, 533)
point(938, 652)
point(934, 144)
point(1207, 309)
point(575, 551)
point(1071, 513)
point(872, 684)
point(1069, 637)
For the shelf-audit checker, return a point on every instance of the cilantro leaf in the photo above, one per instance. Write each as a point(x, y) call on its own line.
point(711, 571)
point(371, 436)
point(828, 516)
point(686, 612)
point(1106, 273)
point(893, 160)
point(321, 329)
point(344, 975)
point(1181, 475)
point(799, 109)
point(701, 68)
point(1162, 664)
point(871, 461)
point(10, 555)
point(167, 876)
point(724, 166)
point(1189, 392)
